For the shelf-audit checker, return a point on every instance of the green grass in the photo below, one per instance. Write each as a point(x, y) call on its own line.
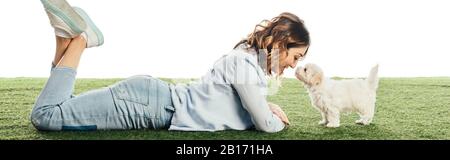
point(407, 108)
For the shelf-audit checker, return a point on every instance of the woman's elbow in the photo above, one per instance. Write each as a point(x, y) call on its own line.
point(271, 129)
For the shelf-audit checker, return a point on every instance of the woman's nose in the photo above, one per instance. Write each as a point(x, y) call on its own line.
point(293, 65)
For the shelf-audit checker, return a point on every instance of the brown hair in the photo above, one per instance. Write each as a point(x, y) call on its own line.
point(282, 32)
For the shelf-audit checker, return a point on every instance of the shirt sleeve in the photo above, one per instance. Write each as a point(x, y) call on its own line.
point(258, 108)
point(247, 83)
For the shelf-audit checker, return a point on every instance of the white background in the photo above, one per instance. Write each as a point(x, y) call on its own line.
point(183, 38)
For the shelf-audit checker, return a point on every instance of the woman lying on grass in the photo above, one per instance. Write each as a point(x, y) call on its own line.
point(229, 97)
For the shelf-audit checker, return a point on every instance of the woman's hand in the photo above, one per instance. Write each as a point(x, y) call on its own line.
point(279, 112)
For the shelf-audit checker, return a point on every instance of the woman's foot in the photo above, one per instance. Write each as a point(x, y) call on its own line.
point(92, 34)
point(63, 18)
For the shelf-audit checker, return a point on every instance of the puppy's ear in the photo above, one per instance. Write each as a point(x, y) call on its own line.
point(317, 79)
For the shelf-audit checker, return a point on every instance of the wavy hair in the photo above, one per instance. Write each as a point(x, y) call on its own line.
point(281, 32)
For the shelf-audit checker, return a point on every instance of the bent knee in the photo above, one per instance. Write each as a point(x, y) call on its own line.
point(46, 119)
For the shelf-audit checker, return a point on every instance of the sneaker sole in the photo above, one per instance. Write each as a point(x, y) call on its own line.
point(88, 20)
point(63, 10)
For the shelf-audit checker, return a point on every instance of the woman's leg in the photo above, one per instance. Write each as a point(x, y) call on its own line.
point(135, 103)
point(46, 114)
point(57, 109)
point(72, 55)
point(61, 47)
point(138, 102)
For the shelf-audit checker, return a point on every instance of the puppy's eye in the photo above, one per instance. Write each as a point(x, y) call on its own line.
point(304, 69)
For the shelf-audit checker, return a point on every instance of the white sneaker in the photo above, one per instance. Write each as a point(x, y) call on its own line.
point(63, 18)
point(92, 34)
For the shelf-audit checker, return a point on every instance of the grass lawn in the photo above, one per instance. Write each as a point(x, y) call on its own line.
point(407, 108)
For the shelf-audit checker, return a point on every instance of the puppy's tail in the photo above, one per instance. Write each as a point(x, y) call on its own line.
point(373, 78)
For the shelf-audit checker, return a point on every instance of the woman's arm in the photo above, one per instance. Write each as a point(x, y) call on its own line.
point(244, 74)
point(255, 103)
point(279, 112)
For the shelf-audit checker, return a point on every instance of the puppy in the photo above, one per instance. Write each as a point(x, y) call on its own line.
point(332, 97)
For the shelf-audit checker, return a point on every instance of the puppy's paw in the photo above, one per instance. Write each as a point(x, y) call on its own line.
point(332, 125)
point(362, 122)
point(322, 122)
point(359, 121)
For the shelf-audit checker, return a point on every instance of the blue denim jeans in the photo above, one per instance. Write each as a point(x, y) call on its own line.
point(137, 102)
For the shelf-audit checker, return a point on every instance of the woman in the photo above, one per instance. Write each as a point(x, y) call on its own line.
point(229, 97)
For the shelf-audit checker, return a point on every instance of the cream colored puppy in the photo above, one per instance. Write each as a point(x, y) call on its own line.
point(332, 97)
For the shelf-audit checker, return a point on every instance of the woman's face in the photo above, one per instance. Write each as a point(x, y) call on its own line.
point(295, 53)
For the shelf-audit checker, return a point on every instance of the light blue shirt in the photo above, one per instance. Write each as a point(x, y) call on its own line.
point(231, 96)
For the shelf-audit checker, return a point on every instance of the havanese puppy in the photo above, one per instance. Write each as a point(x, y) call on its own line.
point(332, 97)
